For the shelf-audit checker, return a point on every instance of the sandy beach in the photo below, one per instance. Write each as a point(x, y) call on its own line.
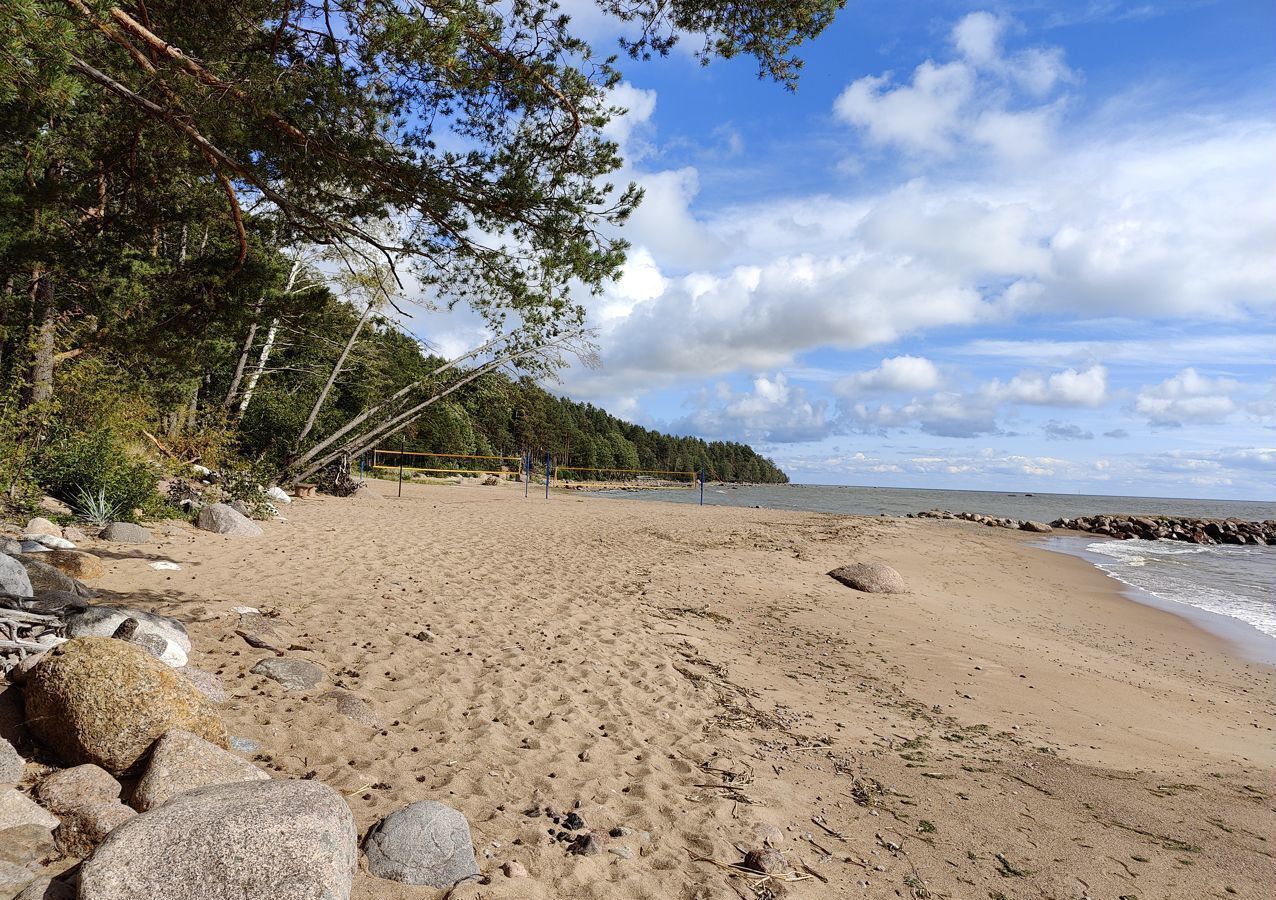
point(692, 681)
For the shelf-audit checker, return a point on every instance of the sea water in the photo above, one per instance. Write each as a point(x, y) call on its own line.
point(1233, 588)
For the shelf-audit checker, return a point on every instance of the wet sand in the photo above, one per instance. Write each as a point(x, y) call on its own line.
point(1011, 727)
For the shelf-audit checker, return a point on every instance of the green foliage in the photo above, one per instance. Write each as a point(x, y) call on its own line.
point(96, 462)
point(244, 483)
point(96, 509)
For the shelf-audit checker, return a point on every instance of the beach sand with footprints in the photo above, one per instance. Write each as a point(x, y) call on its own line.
point(689, 684)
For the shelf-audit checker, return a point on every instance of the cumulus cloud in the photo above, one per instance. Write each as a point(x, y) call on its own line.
point(1117, 433)
point(1187, 397)
point(1066, 388)
point(773, 411)
point(985, 97)
point(899, 373)
point(1061, 431)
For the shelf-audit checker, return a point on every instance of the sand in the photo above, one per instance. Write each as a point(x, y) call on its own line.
point(1011, 727)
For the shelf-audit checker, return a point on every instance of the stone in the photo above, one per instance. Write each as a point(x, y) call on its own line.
point(205, 682)
point(352, 706)
point(424, 843)
point(27, 545)
point(26, 844)
point(75, 563)
point(87, 801)
point(491, 481)
point(10, 547)
point(73, 533)
point(13, 878)
point(103, 621)
point(156, 646)
point(766, 860)
point(43, 526)
point(16, 808)
point(222, 519)
point(14, 578)
point(872, 578)
point(11, 764)
point(55, 506)
point(183, 762)
point(294, 674)
point(278, 494)
point(515, 869)
point(126, 533)
point(104, 701)
point(253, 840)
point(59, 603)
point(50, 541)
point(768, 835)
point(47, 889)
point(1035, 527)
point(45, 577)
point(588, 844)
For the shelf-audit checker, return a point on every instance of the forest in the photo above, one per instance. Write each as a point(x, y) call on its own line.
point(212, 215)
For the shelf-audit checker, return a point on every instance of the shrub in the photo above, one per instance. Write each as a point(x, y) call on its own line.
point(96, 463)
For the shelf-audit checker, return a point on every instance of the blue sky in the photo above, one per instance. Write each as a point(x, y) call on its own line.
point(1005, 246)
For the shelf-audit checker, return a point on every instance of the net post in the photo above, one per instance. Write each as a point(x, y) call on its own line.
point(527, 473)
point(702, 487)
point(400, 475)
point(547, 470)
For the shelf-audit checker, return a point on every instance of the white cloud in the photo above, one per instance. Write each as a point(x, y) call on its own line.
point(986, 97)
point(1187, 397)
point(899, 373)
point(1067, 388)
point(774, 411)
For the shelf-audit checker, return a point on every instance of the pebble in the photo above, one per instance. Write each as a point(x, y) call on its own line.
point(622, 852)
point(514, 869)
point(588, 844)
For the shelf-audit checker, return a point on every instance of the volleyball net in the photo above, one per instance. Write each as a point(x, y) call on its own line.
point(446, 463)
point(528, 465)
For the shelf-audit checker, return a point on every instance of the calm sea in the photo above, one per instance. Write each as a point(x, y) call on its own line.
point(1229, 589)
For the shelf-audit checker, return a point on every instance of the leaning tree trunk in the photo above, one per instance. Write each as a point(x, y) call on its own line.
point(243, 357)
point(332, 376)
point(255, 377)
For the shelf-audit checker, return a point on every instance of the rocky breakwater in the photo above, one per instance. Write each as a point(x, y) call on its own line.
point(981, 519)
point(1172, 528)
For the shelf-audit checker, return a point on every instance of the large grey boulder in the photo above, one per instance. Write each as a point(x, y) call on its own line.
point(45, 577)
point(254, 840)
point(11, 764)
point(101, 621)
point(87, 801)
point(126, 533)
point(425, 843)
point(40, 525)
point(104, 701)
point(1035, 527)
point(9, 546)
point(222, 519)
point(14, 578)
point(183, 762)
point(294, 674)
point(872, 578)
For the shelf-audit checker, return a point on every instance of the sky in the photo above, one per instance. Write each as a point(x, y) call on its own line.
point(987, 246)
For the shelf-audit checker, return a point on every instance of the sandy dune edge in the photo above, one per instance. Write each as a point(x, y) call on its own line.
point(1011, 727)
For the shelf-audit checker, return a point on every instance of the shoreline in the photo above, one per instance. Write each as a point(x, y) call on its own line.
point(694, 680)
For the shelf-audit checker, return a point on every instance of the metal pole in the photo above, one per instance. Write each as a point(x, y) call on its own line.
point(702, 487)
point(527, 473)
point(400, 467)
point(547, 464)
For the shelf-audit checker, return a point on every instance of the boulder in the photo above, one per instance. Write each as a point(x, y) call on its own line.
point(16, 808)
point(105, 701)
point(294, 674)
point(75, 563)
point(45, 577)
point(352, 706)
point(102, 621)
point(10, 547)
point(205, 682)
point(14, 578)
point(11, 764)
point(425, 843)
point(55, 506)
point(50, 541)
point(41, 525)
point(73, 533)
point(60, 603)
point(47, 889)
point(253, 840)
point(872, 578)
point(87, 801)
point(1035, 527)
point(278, 494)
point(221, 519)
point(182, 762)
point(23, 849)
point(126, 533)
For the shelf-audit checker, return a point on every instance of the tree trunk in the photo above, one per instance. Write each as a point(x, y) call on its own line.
point(243, 357)
point(255, 377)
point(332, 376)
point(44, 347)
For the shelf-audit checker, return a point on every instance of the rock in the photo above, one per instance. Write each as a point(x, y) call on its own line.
point(47, 889)
point(425, 843)
point(222, 519)
point(294, 674)
point(13, 727)
point(26, 844)
point(103, 621)
point(766, 860)
point(1035, 527)
point(206, 683)
point(491, 481)
point(768, 835)
point(515, 869)
point(156, 646)
point(244, 745)
point(87, 800)
point(11, 764)
point(14, 578)
point(75, 563)
point(43, 526)
point(872, 578)
point(255, 840)
point(49, 541)
point(182, 762)
point(126, 533)
point(588, 844)
point(16, 808)
point(45, 577)
point(27, 545)
point(278, 494)
point(72, 533)
point(352, 706)
point(10, 547)
point(104, 701)
point(55, 506)
point(61, 603)
point(13, 878)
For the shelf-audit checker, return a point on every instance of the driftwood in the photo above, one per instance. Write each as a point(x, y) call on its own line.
point(19, 630)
